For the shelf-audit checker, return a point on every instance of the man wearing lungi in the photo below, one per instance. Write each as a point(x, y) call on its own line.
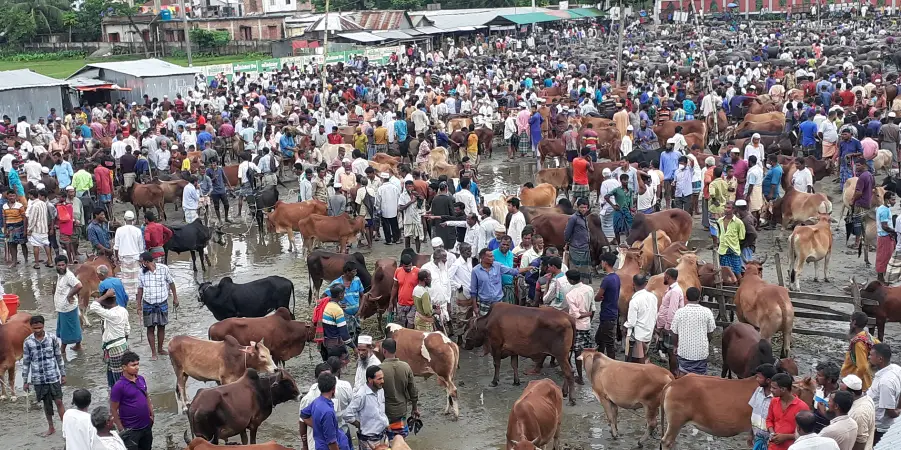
point(730, 232)
point(68, 328)
point(885, 235)
point(154, 285)
point(622, 205)
point(116, 329)
point(14, 227)
point(577, 238)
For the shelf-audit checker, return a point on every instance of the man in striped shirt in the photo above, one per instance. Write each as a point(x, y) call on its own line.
point(336, 337)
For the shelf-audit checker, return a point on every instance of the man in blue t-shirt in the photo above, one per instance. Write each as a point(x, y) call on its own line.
point(320, 416)
point(773, 177)
point(609, 310)
point(885, 242)
point(808, 136)
point(111, 286)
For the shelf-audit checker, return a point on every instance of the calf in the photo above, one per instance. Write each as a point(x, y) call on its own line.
point(542, 195)
point(378, 299)
point(810, 243)
point(428, 354)
point(222, 362)
point(232, 409)
point(87, 276)
point(192, 237)
point(319, 228)
point(535, 417)
point(252, 299)
point(707, 275)
point(284, 217)
point(329, 266)
point(848, 195)
point(675, 222)
point(888, 308)
point(794, 207)
point(203, 444)
point(144, 196)
point(514, 331)
point(260, 201)
point(744, 350)
point(618, 384)
point(285, 337)
point(12, 338)
point(765, 306)
point(172, 191)
point(646, 250)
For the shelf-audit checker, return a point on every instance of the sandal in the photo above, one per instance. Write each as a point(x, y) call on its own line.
point(48, 265)
point(36, 266)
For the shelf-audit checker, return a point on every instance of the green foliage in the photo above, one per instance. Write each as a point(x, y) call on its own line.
point(759, 5)
point(42, 56)
point(47, 15)
point(18, 26)
point(210, 39)
point(782, 3)
point(714, 5)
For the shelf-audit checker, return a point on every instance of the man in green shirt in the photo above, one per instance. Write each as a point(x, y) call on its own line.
point(719, 192)
point(399, 390)
point(622, 207)
point(83, 182)
point(730, 233)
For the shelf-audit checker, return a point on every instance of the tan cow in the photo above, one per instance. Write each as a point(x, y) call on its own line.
point(687, 265)
point(172, 191)
point(285, 216)
point(318, 228)
point(428, 354)
point(87, 276)
point(794, 207)
point(437, 155)
point(221, 361)
point(810, 243)
point(629, 266)
point(535, 417)
point(618, 384)
point(12, 337)
point(398, 443)
point(498, 208)
point(441, 168)
point(766, 306)
point(559, 177)
point(458, 123)
point(383, 168)
point(542, 195)
point(384, 158)
point(646, 249)
point(851, 187)
point(883, 161)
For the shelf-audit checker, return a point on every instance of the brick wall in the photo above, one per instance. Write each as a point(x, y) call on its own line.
point(241, 28)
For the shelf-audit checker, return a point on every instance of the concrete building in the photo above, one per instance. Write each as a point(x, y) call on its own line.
point(30, 94)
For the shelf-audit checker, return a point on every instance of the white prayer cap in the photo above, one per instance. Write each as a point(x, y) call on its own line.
point(364, 340)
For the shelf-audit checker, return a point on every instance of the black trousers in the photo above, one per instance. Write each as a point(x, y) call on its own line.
point(606, 337)
point(392, 230)
point(138, 439)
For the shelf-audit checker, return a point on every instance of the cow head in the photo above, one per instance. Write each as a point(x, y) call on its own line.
point(257, 356)
point(202, 290)
point(525, 445)
point(284, 387)
point(474, 333)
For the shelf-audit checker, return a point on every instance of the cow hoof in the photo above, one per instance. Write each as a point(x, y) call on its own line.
point(13, 398)
point(517, 383)
point(572, 401)
point(493, 384)
point(825, 280)
point(2, 397)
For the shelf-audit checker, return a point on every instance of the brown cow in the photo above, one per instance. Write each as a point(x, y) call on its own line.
point(232, 409)
point(221, 361)
point(329, 266)
point(628, 268)
point(810, 243)
point(675, 222)
point(848, 195)
point(552, 225)
point(428, 354)
point(458, 123)
point(231, 175)
point(552, 148)
point(531, 212)
point(87, 276)
point(888, 308)
point(172, 191)
point(695, 141)
point(772, 122)
point(144, 196)
point(378, 299)
point(792, 208)
point(285, 337)
point(285, 216)
point(667, 130)
point(514, 331)
point(318, 228)
point(701, 400)
point(672, 253)
point(12, 337)
point(707, 275)
point(541, 195)
point(608, 142)
point(744, 350)
point(646, 249)
point(535, 417)
point(559, 177)
point(618, 384)
point(202, 444)
point(448, 170)
point(764, 305)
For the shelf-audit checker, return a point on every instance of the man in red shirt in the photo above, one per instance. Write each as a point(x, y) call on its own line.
point(103, 180)
point(406, 277)
point(334, 137)
point(155, 236)
point(590, 141)
point(581, 167)
point(780, 419)
point(179, 104)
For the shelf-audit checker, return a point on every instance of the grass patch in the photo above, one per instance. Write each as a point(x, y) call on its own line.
point(65, 67)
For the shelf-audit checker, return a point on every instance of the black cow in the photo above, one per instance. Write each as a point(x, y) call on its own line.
point(192, 237)
point(639, 156)
point(254, 299)
point(329, 266)
point(260, 201)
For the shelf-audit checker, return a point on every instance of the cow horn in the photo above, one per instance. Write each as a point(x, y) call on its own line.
point(535, 441)
point(185, 437)
point(515, 443)
point(763, 261)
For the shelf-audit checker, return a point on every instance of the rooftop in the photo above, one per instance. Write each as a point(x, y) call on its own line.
point(25, 78)
point(141, 68)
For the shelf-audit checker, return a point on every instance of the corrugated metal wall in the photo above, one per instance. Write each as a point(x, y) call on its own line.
point(31, 102)
point(152, 86)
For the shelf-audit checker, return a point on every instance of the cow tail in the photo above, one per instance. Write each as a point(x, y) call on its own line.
point(663, 409)
point(293, 302)
point(791, 258)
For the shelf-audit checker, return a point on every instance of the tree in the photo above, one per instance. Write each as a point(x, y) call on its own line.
point(70, 19)
point(210, 39)
point(17, 27)
point(46, 14)
point(714, 5)
point(115, 8)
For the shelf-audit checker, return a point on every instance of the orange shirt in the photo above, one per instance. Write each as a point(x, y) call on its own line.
point(406, 281)
point(580, 171)
point(782, 421)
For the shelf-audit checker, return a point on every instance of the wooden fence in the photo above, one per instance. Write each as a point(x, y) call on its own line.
point(715, 297)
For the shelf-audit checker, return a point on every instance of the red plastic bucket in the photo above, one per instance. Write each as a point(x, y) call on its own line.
point(12, 303)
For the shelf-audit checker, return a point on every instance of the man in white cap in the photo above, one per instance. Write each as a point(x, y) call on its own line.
point(889, 135)
point(337, 202)
point(863, 411)
point(365, 359)
point(128, 245)
point(606, 212)
point(625, 146)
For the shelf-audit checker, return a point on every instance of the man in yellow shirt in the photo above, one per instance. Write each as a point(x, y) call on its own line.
point(856, 358)
point(185, 162)
point(381, 137)
point(472, 146)
point(730, 231)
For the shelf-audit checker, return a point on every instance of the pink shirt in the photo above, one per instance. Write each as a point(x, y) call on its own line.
point(580, 300)
point(522, 121)
point(673, 299)
point(870, 148)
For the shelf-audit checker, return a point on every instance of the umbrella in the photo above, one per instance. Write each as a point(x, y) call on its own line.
point(732, 5)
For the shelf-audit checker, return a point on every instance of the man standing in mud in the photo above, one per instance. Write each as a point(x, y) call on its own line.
point(42, 357)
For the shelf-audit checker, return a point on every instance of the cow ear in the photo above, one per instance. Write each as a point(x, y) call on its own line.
point(253, 344)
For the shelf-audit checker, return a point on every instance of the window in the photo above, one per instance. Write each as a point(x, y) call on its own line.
point(146, 35)
point(246, 33)
point(113, 37)
point(273, 32)
point(288, 2)
point(271, 2)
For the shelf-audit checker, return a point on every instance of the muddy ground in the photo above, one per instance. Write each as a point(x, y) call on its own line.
point(247, 256)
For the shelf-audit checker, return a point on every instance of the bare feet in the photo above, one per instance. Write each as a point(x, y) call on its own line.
point(154, 357)
point(49, 432)
point(162, 352)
